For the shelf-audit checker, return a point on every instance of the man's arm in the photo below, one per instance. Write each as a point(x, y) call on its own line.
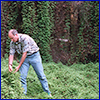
point(22, 59)
point(10, 62)
point(21, 62)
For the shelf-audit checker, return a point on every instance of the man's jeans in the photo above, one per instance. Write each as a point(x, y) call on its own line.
point(35, 61)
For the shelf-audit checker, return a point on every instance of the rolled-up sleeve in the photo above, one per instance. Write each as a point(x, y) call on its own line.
point(12, 49)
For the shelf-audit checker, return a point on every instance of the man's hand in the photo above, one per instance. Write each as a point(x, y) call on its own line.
point(10, 68)
point(17, 68)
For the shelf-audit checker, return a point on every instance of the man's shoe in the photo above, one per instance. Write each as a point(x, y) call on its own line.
point(50, 94)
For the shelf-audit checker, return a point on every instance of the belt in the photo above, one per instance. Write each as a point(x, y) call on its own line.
point(32, 53)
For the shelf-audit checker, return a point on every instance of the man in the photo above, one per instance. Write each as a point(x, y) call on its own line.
point(26, 46)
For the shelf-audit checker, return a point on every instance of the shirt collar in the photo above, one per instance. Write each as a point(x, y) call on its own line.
point(19, 38)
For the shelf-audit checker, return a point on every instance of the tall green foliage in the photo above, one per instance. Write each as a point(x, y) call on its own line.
point(37, 19)
point(87, 48)
point(37, 24)
point(12, 20)
point(32, 18)
point(89, 32)
point(28, 19)
point(94, 28)
point(9, 19)
point(44, 28)
point(4, 21)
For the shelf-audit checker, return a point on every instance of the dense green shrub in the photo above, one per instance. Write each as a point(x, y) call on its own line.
point(89, 32)
point(85, 37)
point(32, 18)
point(48, 21)
point(10, 83)
point(28, 17)
point(78, 81)
point(44, 28)
point(10, 13)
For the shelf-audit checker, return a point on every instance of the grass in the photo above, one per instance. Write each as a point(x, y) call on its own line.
point(78, 81)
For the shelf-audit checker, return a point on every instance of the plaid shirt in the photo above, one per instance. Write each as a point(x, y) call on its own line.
point(25, 44)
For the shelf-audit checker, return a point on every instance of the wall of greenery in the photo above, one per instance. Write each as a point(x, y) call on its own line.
point(77, 22)
point(47, 22)
point(28, 17)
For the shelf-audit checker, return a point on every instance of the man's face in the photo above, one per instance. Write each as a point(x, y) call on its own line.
point(13, 38)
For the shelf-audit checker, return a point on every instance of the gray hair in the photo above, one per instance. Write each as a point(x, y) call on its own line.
point(13, 31)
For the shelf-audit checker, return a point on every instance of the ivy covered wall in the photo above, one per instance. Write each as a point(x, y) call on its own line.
point(66, 31)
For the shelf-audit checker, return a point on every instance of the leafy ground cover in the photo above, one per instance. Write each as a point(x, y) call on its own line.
point(78, 81)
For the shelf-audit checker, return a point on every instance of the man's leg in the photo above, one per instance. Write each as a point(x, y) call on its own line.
point(23, 74)
point(35, 61)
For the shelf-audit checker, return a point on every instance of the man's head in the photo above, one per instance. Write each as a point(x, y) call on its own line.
point(13, 35)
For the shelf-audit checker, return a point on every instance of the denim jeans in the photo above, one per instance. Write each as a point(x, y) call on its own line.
point(35, 61)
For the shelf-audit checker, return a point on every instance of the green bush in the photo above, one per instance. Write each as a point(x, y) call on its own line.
point(88, 35)
point(32, 18)
point(48, 21)
point(10, 83)
point(78, 81)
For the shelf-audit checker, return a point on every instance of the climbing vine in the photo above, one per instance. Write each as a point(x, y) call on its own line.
point(64, 31)
point(32, 18)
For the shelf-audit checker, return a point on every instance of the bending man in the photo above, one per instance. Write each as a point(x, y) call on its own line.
point(26, 46)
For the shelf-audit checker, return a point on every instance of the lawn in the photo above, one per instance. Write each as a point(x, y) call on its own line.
point(78, 81)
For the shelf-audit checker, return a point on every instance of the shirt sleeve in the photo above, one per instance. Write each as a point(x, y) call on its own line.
point(12, 49)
